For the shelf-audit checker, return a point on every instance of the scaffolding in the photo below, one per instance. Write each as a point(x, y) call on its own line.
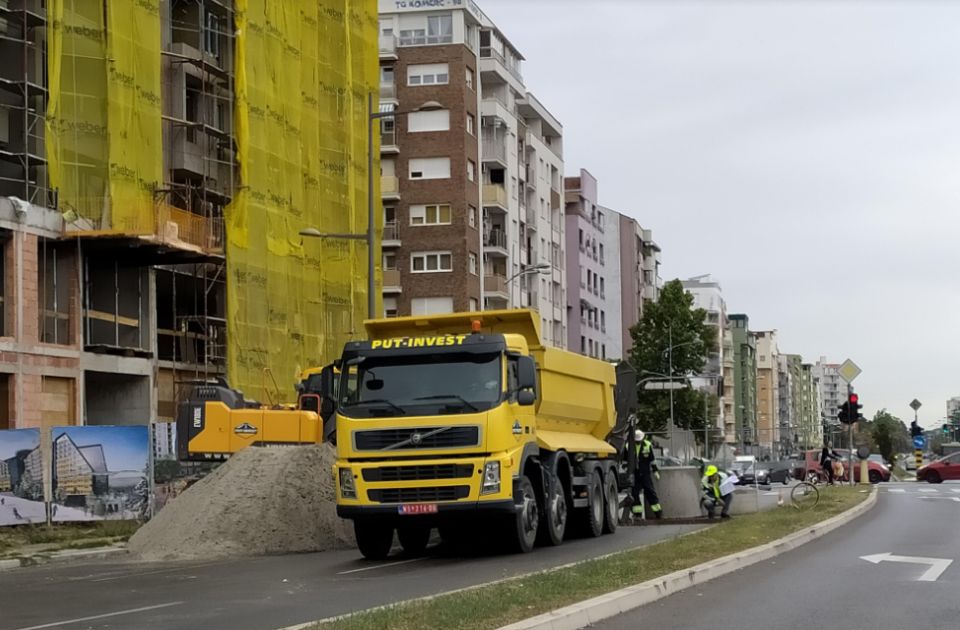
point(201, 174)
point(23, 102)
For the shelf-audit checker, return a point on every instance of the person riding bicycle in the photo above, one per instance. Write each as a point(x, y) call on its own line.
point(827, 457)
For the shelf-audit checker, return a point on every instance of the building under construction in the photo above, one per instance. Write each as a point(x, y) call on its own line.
point(157, 162)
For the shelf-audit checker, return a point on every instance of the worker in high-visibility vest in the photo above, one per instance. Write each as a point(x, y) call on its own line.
point(643, 476)
point(713, 495)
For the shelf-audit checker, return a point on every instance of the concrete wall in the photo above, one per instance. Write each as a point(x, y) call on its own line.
point(117, 398)
point(679, 491)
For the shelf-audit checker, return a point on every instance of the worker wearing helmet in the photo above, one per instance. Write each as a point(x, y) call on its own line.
point(713, 496)
point(643, 476)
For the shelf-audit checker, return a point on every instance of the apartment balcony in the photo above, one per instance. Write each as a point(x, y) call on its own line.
point(649, 292)
point(388, 143)
point(495, 244)
point(388, 92)
point(495, 196)
point(493, 62)
point(531, 217)
point(494, 151)
point(425, 40)
point(555, 199)
point(388, 46)
point(390, 187)
point(391, 282)
point(391, 234)
point(495, 286)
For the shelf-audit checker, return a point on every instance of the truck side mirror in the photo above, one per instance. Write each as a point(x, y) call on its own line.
point(526, 397)
point(526, 373)
point(327, 392)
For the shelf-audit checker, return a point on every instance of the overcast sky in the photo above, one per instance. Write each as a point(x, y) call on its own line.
point(806, 153)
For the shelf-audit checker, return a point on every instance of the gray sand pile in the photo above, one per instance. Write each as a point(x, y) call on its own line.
point(261, 501)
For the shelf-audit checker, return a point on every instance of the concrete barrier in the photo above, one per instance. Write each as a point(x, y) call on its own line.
point(679, 491)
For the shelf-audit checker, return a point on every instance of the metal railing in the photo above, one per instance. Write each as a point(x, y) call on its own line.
point(391, 231)
point(495, 194)
point(495, 284)
point(496, 238)
point(387, 44)
point(486, 52)
point(389, 185)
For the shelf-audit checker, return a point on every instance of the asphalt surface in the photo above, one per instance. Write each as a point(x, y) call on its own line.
point(826, 584)
point(269, 592)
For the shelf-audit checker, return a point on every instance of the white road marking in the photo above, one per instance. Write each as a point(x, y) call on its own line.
point(937, 565)
point(897, 490)
point(954, 489)
point(928, 491)
point(380, 566)
point(104, 616)
point(123, 575)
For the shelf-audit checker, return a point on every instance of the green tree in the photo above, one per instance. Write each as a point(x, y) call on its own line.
point(671, 320)
point(889, 434)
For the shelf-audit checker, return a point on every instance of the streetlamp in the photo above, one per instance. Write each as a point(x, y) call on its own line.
point(543, 268)
point(669, 352)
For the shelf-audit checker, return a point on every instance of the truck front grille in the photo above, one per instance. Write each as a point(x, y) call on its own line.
point(418, 473)
point(417, 438)
point(418, 495)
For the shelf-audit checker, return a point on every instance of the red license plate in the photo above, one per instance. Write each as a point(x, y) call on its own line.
point(418, 508)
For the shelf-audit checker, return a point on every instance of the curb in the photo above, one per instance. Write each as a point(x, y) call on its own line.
point(58, 557)
point(624, 600)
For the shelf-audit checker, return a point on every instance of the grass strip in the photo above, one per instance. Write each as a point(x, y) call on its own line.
point(519, 598)
point(65, 535)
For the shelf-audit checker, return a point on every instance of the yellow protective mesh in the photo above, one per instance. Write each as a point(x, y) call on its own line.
point(304, 72)
point(104, 138)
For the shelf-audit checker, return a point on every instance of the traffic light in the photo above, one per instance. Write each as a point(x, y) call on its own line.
point(844, 415)
point(946, 430)
point(855, 407)
point(915, 430)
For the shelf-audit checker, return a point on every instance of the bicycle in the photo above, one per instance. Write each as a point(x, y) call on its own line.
point(804, 496)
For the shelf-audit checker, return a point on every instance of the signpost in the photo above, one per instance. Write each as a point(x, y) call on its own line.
point(848, 372)
point(919, 441)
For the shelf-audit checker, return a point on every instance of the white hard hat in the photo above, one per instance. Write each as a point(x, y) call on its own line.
point(638, 435)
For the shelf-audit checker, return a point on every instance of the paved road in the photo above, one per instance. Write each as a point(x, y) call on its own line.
point(263, 593)
point(825, 584)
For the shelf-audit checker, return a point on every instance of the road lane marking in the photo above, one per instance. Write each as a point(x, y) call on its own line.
point(122, 575)
point(928, 490)
point(380, 566)
point(954, 489)
point(897, 490)
point(129, 611)
point(937, 565)
point(955, 499)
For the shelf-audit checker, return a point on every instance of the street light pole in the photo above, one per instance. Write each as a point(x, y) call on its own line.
point(670, 372)
point(371, 215)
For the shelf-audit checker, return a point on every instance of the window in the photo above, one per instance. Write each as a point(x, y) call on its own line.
point(386, 75)
point(413, 37)
point(470, 78)
point(471, 170)
point(3, 289)
point(433, 214)
point(431, 305)
point(601, 253)
point(431, 262)
point(428, 74)
point(389, 260)
point(604, 351)
point(430, 120)
point(389, 307)
point(583, 344)
point(53, 281)
point(430, 168)
point(473, 305)
point(471, 125)
point(440, 29)
point(473, 264)
point(472, 216)
point(215, 25)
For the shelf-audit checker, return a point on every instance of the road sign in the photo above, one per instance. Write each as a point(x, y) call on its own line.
point(919, 441)
point(666, 385)
point(849, 371)
point(915, 404)
point(937, 565)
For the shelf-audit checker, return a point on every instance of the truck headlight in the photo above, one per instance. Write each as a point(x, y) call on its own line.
point(348, 489)
point(491, 478)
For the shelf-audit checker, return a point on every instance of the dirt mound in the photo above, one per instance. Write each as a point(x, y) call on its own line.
point(261, 501)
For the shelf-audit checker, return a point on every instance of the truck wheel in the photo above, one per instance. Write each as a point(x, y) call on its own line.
point(611, 502)
point(553, 518)
point(522, 527)
point(413, 538)
point(593, 514)
point(374, 539)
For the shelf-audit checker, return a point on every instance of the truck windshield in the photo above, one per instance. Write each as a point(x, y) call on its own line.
point(423, 385)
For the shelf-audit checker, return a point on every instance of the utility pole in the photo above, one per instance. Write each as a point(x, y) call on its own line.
point(670, 374)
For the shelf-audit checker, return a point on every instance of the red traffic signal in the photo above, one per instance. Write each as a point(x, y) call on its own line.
point(854, 399)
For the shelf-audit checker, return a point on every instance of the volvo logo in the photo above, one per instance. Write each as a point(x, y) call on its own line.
point(416, 439)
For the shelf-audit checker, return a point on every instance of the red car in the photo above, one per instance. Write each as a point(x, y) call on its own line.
point(943, 469)
point(877, 472)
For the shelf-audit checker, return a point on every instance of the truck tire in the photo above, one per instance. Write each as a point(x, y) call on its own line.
point(523, 525)
point(373, 539)
point(593, 513)
point(611, 502)
point(555, 513)
point(414, 538)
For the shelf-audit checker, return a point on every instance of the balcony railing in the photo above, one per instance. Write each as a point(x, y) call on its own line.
point(496, 238)
point(388, 139)
point(389, 185)
point(494, 149)
point(487, 52)
point(387, 45)
point(495, 284)
point(391, 231)
point(424, 40)
point(388, 91)
point(495, 194)
point(391, 279)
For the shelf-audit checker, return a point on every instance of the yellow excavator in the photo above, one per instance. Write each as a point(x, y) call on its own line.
point(215, 421)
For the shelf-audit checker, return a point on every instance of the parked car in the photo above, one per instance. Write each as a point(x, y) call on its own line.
point(778, 472)
point(813, 471)
point(939, 470)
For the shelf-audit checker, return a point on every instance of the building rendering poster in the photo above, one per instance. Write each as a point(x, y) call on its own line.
point(100, 473)
point(21, 478)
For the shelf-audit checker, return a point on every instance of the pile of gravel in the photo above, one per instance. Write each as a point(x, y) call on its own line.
point(260, 501)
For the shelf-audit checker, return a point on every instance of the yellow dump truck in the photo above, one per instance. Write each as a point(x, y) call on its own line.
point(449, 420)
point(215, 421)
